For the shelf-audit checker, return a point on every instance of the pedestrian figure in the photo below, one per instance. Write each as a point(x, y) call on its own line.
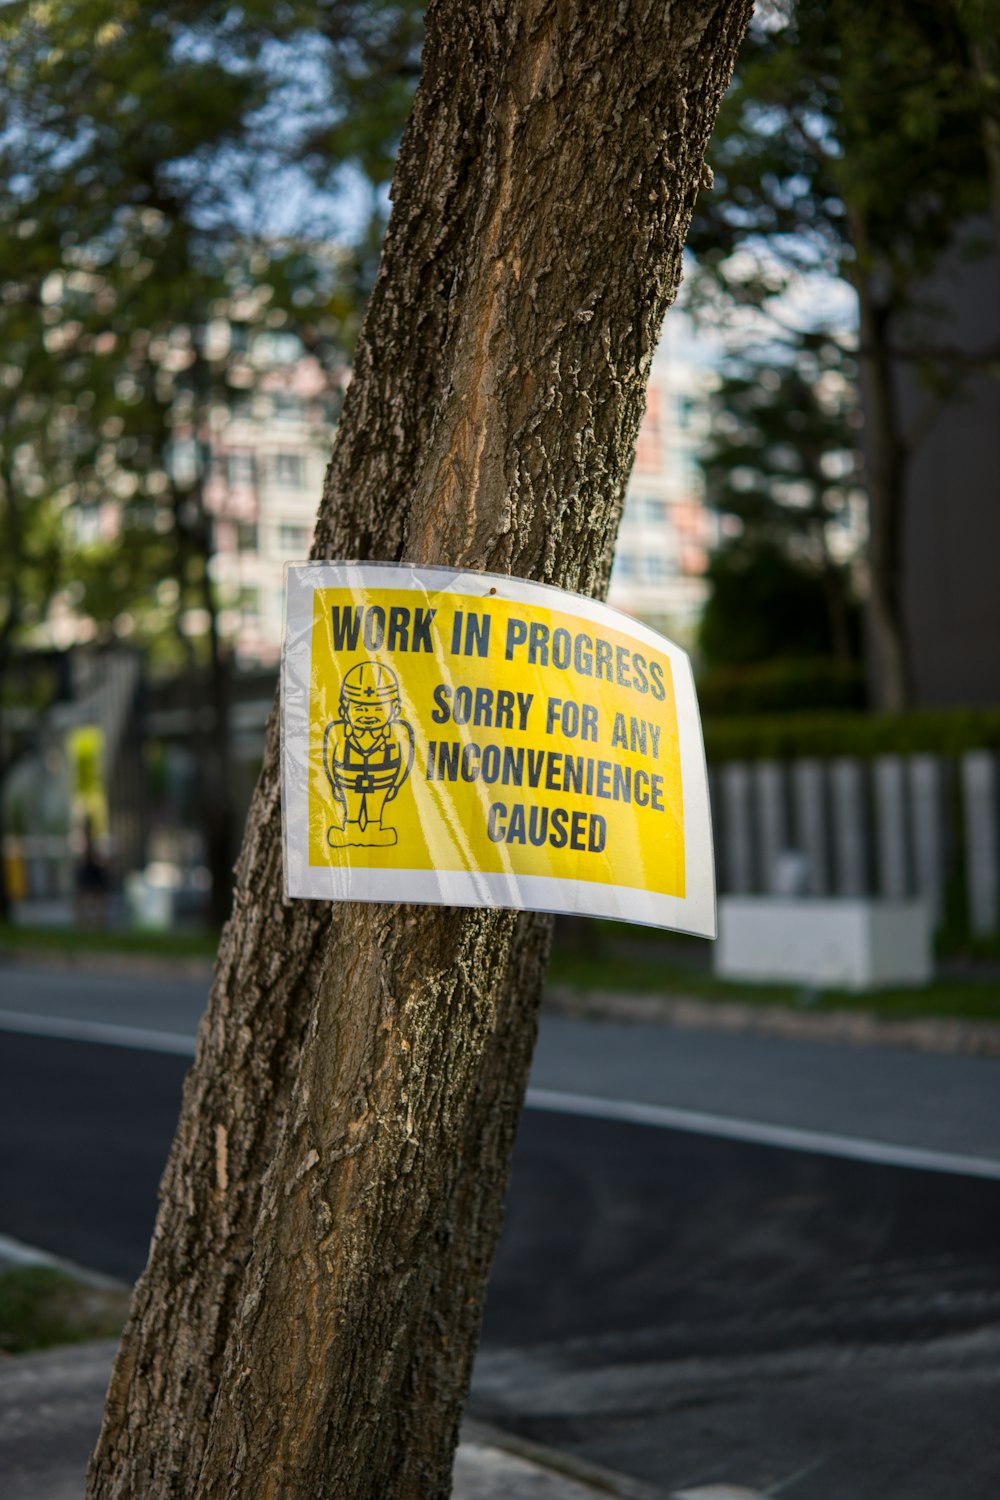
point(92, 883)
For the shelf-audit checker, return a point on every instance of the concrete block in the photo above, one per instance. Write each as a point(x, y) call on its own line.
point(852, 943)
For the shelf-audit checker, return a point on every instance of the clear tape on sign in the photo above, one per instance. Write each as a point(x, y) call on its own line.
point(470, 739)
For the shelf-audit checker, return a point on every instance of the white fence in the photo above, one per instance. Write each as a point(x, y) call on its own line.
point(894, 826)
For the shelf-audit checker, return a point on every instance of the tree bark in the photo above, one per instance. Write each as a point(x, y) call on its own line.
point(884, 460)
point(307, 1321)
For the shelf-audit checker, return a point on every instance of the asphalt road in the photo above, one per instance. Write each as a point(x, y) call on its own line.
point(695, 1311)
point(687, 1306)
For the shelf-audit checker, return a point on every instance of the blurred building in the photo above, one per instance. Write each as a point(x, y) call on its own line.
point(268, 453)
point(666, 530)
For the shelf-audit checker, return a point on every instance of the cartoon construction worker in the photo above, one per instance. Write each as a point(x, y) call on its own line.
point(367, 755)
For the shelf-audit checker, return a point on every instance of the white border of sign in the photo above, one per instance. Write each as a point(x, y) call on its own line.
point(694, 912)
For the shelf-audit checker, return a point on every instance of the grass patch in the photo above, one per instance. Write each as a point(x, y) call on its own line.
point(42, 1307)
point(68, 940)
point(593, 956)
point(636, 972)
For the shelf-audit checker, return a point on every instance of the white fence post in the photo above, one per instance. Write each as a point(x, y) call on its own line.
point(850, 824)
point(979, 797)
point(926, 800)
point(772, 824)
point(908, 834)
point(810, 822)
point(890, 827)
point(737, 839)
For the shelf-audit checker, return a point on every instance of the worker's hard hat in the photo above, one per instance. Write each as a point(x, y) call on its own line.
point(370, 682)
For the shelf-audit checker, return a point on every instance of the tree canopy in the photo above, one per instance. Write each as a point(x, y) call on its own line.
point(854, 145)
point(173, 175)
point(781, 472)
point(164, 166)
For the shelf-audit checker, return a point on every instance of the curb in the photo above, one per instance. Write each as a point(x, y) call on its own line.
point(565, 1465)
point(858, 1028)
point(855, 1028)
point(45, 1395)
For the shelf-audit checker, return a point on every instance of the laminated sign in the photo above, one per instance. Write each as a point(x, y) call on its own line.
point(477, 740)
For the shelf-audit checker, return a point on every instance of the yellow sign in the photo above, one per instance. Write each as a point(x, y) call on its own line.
point(479, 740)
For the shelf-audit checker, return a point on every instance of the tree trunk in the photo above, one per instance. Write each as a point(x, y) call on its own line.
point(211, 691)
point(307, 1321)
point(885, 460)
point(217, 769)
point(6, 762)
point(11, 540)
point(6, 903)
point(221, 832)
point(837, 612)
point(984, 72)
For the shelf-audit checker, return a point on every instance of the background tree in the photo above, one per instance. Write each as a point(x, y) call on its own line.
point(852, 147)
point(307, 1321)
point(150, 161)
point(977, 23)
point(781, 472)
point(52, 376)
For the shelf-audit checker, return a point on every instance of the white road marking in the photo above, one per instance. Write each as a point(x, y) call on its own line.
point(69, 1029)
point(587, 1106)
point(730, 1128)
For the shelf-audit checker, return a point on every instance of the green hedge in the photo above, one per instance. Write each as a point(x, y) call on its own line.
point(791, 685)
point(785, 736)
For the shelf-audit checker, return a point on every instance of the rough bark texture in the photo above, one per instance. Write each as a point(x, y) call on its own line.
point(306, 1324)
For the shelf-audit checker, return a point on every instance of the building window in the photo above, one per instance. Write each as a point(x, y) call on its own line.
point(294, 540)
point(246, 536)
point(289, 469)
point(625, 565)
point(240, 468)
point(287, 408)
point(684, 408)
point(276, 349)
point(654, 511)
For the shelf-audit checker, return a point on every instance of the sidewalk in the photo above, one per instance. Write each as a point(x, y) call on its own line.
point(51, 1405)
point(50, 1414)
